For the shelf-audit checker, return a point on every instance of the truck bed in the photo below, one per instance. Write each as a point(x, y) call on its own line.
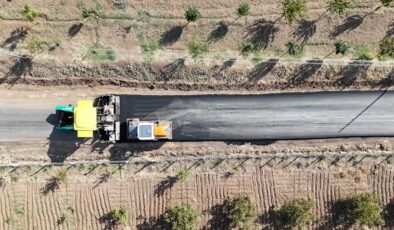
point(272, 116)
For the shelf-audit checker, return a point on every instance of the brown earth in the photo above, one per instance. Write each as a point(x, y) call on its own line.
point(222, 68)
point(28, 199)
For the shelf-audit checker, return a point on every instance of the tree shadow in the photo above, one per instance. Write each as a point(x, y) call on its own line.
point(165, 185)
point(74, 30)
point(109, 222)
point(156, 223)
point(306, 71)
point(268, 218)
point(171, 36)
point(220, 217)
point(350, 23)
point(351, 72)
point(390, 31)
point(173, 69)
point(15, 37)
point(339, 214)
point(51, 186)
point(21, 67)
point(261, 70)
point(228, 64)
point(261, 33)
point(305, 30)
point(388, 81)
point(389, 214)
point(103, 178)
point(219, 33)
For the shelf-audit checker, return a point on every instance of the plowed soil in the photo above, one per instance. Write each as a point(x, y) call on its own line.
point(146, 191)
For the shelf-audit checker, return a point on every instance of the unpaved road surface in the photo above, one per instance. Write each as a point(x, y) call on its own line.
point(214, 117)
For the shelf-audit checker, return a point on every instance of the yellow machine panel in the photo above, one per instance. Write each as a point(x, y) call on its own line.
point(85, 118)
point(160, 131)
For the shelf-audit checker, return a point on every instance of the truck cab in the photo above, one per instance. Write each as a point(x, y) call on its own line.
point(148, 130)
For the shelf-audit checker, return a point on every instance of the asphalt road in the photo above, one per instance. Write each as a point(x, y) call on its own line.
point(275, 116)
point(247, 117)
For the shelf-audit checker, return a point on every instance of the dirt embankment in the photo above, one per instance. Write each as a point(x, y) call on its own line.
point(268, 76)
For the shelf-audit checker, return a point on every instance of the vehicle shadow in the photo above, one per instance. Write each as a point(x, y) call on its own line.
point(63, 144)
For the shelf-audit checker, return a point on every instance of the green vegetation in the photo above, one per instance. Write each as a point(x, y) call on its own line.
point(296, 214)
point(118, 216)
point(248, 48)
point(98, 52)
point(149, 48)
point(192, 14)
point(35, 45)
point(197, 49)
point(387, 47)
point(61, 176)
point(293, 48)
point(363, 52)
point(341, 47)
point(181, 217)
point(182, 175)
point(386, 3)
point(339, 6)
point(14, 178)
point(363, 209)
point(241, 212)
point(293, 9)
point(29, 12)
point(243, 9)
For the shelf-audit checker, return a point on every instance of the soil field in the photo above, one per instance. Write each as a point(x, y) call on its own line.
point(61, 42)
point(28, 199)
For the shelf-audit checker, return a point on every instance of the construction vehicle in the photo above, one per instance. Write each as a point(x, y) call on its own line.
point(102, 116)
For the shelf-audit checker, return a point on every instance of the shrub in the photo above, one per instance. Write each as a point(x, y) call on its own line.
point(293, 48)
point(98, 52)
point(118, 216)
point(387, 47)
point(339, 6)
point(248, 48)
point(192, 14)
point(363, 209)
point(293, 9)
point(241, 212)
point(341, 47)
point(29, 12)
point(35, 45)
point(61, 176)
point(181, 217)
point(243, 9)
point(182, 175)
point(386, 3)
point(196, 49)
point(364, 53)
point(296, 213)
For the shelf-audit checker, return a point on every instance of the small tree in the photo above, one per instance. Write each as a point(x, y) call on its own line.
point(192, 14)
point(196, 49)
point(293, 48)
point(29, 12)
point(61, 176)
point(293, 9)
point(241, 212)
point(363, 209)
point(118, 216)
point(339, 7)
point(243, 9)
point(341, 47)
point(182, 175)
point(181, 217)
point(386, 3)
point(296, 213)
point(387, 47)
